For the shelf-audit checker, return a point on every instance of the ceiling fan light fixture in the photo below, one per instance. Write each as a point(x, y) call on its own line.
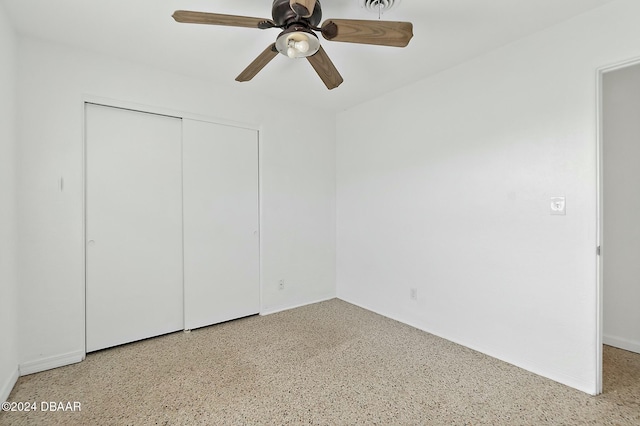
point(302, 18)
point(297, 42)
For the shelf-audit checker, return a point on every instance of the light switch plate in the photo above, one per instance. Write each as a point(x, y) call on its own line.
point(558, 206)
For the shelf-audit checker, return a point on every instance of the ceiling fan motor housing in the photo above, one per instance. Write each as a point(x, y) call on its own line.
point(284, 16)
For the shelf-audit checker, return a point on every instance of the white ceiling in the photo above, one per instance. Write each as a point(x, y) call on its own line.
point(446, 33)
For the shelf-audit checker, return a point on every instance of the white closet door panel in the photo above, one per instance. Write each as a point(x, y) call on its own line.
point(221, 244)
point(133, 226)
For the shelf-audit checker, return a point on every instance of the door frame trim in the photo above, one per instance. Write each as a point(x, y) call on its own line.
point(151, 109)
point(600, 213)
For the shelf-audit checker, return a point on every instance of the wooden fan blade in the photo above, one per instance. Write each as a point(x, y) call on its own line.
point(260, 62)
point(304, 8)
point(325, 69)
point(188, 17)
point(381, 33)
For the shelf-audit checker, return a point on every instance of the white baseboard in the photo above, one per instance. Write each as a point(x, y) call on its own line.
point(52, 362)
point(281, 308)
point(619, 342)
point(543, 371)
point(7, 386)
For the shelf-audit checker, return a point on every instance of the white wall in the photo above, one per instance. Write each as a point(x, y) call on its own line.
point(8, 273)
point(445, 186)
point(621, 242)
point(297, 170)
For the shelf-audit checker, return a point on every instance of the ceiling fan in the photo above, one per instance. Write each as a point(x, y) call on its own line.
point(299, 19)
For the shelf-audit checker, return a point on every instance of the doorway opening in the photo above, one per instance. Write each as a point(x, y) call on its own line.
point(619, 228)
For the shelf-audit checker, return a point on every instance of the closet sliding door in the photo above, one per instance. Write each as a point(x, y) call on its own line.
point(134, 280)
point(221, 243)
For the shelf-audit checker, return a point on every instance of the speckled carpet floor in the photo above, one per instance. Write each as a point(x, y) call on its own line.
point(329, 364)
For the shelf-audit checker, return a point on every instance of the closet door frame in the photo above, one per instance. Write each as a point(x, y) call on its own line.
point(115, 103)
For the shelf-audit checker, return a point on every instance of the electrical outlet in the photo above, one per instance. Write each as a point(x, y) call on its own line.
point(413, 294)
point(281, 285)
